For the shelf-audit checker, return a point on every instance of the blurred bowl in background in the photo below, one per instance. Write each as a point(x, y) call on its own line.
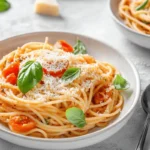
point(135, 37)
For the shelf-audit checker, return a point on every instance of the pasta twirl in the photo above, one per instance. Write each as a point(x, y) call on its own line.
point(40, 112)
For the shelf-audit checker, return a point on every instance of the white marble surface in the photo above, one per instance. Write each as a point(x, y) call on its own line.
point(89, 17)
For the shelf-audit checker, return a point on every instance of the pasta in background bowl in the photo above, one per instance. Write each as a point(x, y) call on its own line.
point(135, 14)
point(64, 126)
point(132, 18)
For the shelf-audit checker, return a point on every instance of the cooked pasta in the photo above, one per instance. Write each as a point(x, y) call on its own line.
point(136, 14)
point(40, 110)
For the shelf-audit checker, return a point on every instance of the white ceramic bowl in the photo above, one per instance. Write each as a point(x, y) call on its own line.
point(100, 51)
point(137, 38)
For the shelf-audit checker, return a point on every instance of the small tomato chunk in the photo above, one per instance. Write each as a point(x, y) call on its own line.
point(11, 78)
point(21, 123)
point(65, 46)
point(12, 68)
point(98, 98)
point(45, 71)
point(41, 82)
point(56, 68)
point(58, 73)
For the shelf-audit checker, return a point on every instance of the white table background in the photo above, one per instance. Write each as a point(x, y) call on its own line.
point(89, 17)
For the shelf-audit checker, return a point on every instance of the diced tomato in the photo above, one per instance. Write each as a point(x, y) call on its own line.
point(12, 68)
point(56, 69)
point(58, 73)
point(41, 82)
point(21, 123)
point(11, 78)
point(98, 98)
point(65, 46)
point(45, 71)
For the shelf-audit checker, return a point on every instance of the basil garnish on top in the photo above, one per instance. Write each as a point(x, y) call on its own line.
point(142, 6)
point(120, 83)
point(71, 74)
point(4, 5)
point(79, 48)
point(76, 117)
point(29, 76)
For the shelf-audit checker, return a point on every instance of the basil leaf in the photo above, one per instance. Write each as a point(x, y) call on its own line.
point(3, 0)
point(71, 74)
point(29, 76)
point(120, 83)
point(76, 117)
point(142, 6)
point(79, 48)
point(4, 5)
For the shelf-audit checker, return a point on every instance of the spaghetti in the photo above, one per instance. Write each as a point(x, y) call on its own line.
point(41, 111)
point(135, 14)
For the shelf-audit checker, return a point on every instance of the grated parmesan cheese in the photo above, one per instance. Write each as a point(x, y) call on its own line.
point(53, 86)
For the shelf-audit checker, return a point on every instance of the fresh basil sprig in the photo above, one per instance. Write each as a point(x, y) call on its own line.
point(120, 83)
point(79, 48)
point(4, 5)
point(142, 6)
point(76, 117)
point(29, 76)
point(71, 74)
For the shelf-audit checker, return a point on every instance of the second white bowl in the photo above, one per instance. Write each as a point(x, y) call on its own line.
point(135, 37)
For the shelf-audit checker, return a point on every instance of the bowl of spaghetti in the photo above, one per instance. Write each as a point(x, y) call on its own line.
point(63, 91)
point(132, 18)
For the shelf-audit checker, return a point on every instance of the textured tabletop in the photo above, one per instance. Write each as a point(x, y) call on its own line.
point(89, 17)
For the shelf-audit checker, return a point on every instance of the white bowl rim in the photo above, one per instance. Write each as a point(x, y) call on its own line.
point(122, 24)
point(88, 135)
